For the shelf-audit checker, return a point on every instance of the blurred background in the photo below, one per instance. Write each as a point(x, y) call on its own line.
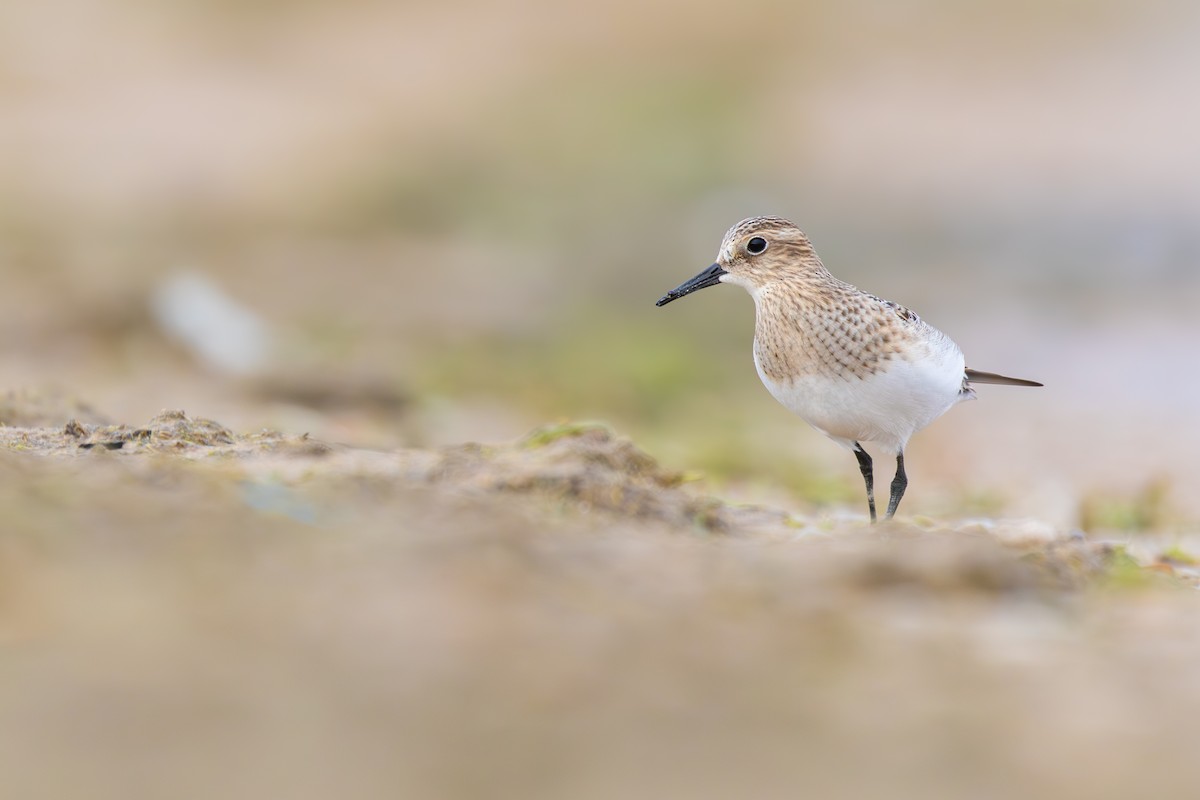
point(409, 224)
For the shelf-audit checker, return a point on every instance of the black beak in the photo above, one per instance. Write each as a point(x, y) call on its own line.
point(710, 277)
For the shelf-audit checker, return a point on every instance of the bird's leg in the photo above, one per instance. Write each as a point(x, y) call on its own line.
point(899, 484)
point(864, 464)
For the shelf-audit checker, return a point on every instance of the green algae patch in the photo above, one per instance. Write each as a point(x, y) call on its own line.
point(548, 434)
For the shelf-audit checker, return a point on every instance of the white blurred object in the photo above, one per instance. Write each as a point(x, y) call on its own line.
point(214, 327)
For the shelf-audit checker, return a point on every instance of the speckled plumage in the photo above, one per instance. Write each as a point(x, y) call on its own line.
point(854, 366)
point(830, 328)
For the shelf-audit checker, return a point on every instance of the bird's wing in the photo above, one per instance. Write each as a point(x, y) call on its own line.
point(975, 376)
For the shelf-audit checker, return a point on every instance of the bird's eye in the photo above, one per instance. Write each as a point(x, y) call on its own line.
point(756, 245)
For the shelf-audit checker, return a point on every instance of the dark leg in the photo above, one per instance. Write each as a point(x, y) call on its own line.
point(899, 484)
point(864, 464)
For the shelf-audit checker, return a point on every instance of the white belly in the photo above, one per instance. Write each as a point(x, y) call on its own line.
point(886, 407)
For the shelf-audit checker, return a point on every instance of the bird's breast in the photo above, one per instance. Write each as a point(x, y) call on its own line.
point(838, 342)
point(857, 373)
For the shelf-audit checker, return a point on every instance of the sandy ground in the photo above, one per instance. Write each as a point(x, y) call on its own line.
point(192, 612)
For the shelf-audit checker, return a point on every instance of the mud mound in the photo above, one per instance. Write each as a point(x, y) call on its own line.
point(587, 472)
point(586, 465)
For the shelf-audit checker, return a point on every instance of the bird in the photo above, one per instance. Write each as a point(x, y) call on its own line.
point(854, 366)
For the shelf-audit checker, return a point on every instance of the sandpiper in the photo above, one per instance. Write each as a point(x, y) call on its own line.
point(854, 366)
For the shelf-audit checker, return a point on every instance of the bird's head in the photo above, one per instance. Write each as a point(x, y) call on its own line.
point(754, 254)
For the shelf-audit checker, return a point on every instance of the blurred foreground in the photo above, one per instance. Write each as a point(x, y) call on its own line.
point(191, 612)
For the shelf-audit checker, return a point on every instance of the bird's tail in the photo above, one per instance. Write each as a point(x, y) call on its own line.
point(975, 376)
